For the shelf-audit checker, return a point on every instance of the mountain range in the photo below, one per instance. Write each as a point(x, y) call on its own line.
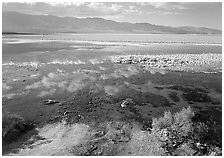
point(42, 24)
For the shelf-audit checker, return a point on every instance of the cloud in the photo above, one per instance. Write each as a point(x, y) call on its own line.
point(9, 96)
point(134, 11)
point(131, 7)
point(78, 9)
point(166, 5)
point(163, 5)
point(159, 12)
point(165, 8)
point(121, 72)
point(75, 86)
point(111, 90)
point(115, 7)
point(66, 3)
point(45, 93)
point(5, 86)
point(74, 9)
point(47, 82)
point(63, 81)
point(143, 3)
point(34, 86)
point(103, 7)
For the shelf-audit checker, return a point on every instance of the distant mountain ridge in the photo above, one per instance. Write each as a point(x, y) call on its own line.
point(26, 23)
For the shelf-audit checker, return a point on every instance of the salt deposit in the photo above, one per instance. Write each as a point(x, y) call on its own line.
point(174, 62)
point(23, 64)
point(66, 62)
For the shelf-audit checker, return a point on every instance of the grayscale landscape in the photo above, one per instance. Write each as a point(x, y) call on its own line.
point(111, 79)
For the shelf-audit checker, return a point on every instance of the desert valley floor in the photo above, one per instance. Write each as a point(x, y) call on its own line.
point(73, 95)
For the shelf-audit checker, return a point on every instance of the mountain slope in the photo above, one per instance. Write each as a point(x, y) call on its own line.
point(18, 22)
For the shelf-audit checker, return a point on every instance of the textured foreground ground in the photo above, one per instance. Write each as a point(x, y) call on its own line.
point(105, 99)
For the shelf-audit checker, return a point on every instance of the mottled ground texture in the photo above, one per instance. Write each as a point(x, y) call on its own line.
point(65, 97)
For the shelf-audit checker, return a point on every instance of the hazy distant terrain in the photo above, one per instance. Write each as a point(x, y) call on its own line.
point(18, 22)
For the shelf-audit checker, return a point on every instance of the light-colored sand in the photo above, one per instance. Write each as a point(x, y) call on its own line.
point(59, 138)
point(143, 144)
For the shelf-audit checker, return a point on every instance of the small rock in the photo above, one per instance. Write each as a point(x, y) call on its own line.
point(90, 102)
point(190, 102)
point(127, 102)
point(129, 152)
point(99, 152)
point(93, 147)
point(66, 113)
point(49, 101)
point(80, 117)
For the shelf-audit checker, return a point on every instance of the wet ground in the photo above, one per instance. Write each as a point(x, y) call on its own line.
point(111, 104)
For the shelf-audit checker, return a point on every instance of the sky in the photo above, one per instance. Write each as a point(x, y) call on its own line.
point(199, 14)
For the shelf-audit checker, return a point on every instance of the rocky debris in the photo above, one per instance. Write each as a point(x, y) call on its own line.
point(106, 141)
point(54, 118)
point(99, 134)
point(201, 146)
point(87, 149)
point(184, 150)
point(74, 118)
point(60, 71)
point(50, 101)
point(174, 62)
point(131, 112)
point(201, 149)
point(215, 151)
